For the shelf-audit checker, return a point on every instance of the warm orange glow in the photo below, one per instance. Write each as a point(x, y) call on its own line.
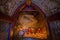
point(42, 35)
point(28, 2)
point(29, 26)
point(11, 33)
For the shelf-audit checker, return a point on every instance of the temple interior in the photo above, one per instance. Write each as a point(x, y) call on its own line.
point(29, 19)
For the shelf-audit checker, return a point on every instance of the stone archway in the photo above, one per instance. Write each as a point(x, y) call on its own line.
point(41, 18)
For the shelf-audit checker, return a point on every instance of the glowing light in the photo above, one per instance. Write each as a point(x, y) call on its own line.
point(11, 33)
point(28, 2)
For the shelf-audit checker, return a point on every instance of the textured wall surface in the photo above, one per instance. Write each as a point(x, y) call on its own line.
point(49, 7)
point(12, 6)
point(55, 30)
point(4, 30)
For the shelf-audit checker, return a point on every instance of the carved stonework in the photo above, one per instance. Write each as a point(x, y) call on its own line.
point(12, 6)
point(55, 30)
point(46, 6)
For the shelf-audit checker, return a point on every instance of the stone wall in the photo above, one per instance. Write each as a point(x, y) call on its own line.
point(4, 30)
point(55, 30)
point(49, 7)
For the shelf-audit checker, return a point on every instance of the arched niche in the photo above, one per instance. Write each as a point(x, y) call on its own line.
point(30, 22)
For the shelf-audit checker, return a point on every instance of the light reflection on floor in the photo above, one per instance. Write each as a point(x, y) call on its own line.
point(29, 39)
